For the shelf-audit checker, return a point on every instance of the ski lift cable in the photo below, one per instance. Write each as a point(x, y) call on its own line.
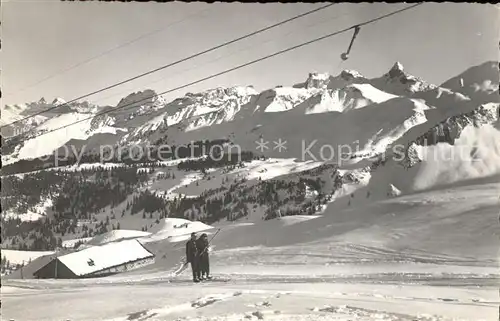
point(176, 62)
point(251, 46)
point(133, 104)
point(86, 61)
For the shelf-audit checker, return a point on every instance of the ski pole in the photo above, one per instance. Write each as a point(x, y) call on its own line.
point(208, 245)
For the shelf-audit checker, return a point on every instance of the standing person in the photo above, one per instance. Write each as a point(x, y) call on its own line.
point(192, 256)
point(203, 246)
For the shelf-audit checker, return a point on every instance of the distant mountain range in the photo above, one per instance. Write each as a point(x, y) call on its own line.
point(340, 135)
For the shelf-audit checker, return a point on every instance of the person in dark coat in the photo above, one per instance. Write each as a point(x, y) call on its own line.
point(202, 245)
point(192, 257)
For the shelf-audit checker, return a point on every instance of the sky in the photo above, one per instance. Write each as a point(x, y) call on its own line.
point(41, 39)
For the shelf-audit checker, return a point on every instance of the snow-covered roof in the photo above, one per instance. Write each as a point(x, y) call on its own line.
point(97, 258)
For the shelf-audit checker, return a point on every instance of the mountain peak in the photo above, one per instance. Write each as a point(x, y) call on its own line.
point(398, 66)
point(349, 74)
point(58, 101)
point(318, 75)
point(396, 70)
point(221, 92)
point(399, 82)
point(145, 97)
point(317, 80)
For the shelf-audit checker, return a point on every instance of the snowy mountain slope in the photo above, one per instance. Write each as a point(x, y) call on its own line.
point(395, 82)
point(8, 115)
point(206, 108)
point(41, 106)
point(33, 213)
point(459, 148)
point(377, 219)
point(359, 122)
point(478, 82)
point(23, 257)
point(21, 126)
point(427, 236)
point(142, 109)
point(115, 236)
point(326, 81)
point(447, 102)
point(51, 141)
point(149, 120)
point(341, 100)
point(438, 229)
point(32, 107)
point(11, 114)
point(442, 98)
point(399, 82)
point(19, 133)
point(175, 230)
point(349, 89)
point(283, 99)
point(440, 237)
point(137, 103)
point(220, 105)
point(251, 113)
point(365, 130)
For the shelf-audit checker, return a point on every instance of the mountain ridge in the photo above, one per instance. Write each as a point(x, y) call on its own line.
point(361, 125)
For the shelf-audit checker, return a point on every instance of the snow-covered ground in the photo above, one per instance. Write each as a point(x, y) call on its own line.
point(115, 236)
point(56, 135)
point(174, 230)
point(429, 254)
point(22, 257)
point(273, 167)
point(33, 214)
point(252, 300)
point(424, 256)
point(72, 242)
